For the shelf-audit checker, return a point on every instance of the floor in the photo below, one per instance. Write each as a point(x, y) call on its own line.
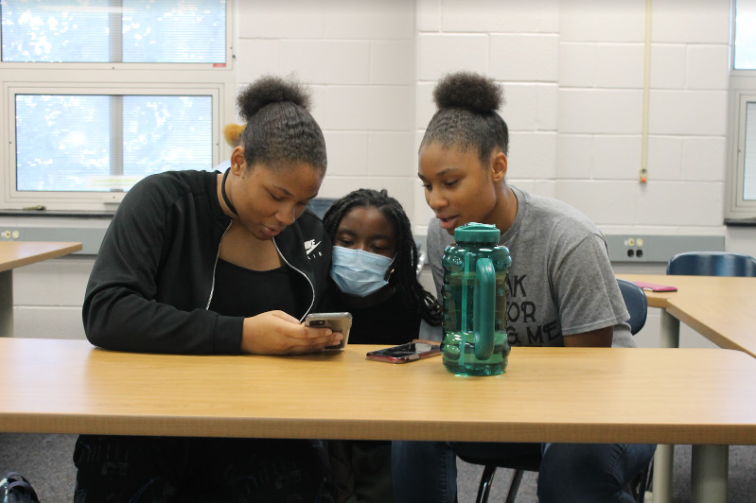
point(741, 479)
point(46, 461)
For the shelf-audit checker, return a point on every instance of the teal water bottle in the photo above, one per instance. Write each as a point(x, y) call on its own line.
point(475, 302)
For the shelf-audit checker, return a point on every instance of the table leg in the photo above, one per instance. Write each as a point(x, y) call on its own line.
point(662, 485)
point(708, 475)
point(664, 457)
point(670, 331)
point(6, 303)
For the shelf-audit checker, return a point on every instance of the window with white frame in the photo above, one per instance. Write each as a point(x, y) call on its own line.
point(100, 93)
point(741, 178)
point(745, 35)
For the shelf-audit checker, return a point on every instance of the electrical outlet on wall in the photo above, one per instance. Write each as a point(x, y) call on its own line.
point(645, 248)
point(634, 250)
point(9, 234)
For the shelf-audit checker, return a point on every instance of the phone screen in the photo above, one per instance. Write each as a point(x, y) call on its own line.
point(405, 352)
point(337, 322)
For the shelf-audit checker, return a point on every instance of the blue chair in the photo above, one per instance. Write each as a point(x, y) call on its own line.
point(636, 303)
point(712, 264)
point(637, 306)
point(320, 205)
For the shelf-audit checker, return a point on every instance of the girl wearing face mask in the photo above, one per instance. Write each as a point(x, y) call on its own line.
point(375, 269)
point(374, 277)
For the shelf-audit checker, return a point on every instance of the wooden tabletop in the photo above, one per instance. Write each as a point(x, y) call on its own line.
point(722, 309)
point(19, 253)
point(547, 394)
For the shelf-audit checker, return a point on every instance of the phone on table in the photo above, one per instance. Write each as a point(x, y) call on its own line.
point(405, 352)
point(655, 287)
point(337, 322)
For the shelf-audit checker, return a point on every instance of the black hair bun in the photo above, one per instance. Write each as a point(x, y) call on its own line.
point(469, 91)
point(271, 89)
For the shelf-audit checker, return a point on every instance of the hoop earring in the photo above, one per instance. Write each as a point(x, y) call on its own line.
point(389, 273)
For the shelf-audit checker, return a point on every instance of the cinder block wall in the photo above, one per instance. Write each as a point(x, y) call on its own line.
point(359, 59)
point(573, 77)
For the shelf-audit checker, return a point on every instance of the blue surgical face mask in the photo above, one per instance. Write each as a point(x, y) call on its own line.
point(357, 272)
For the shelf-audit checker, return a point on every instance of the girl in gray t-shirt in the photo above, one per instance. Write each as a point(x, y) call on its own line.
point(561, 282)
point(562, 293)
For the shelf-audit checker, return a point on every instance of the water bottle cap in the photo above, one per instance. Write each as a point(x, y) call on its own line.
point(477, 233)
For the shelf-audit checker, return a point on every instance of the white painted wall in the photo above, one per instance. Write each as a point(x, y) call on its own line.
point(572, 71)
point(516, 42)
point(358, 58)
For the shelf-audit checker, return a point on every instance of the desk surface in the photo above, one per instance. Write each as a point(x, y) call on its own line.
point(19, 253)
point(719, 308)
point(547, 394)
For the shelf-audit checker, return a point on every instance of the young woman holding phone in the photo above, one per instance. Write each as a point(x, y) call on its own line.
point(198, 262)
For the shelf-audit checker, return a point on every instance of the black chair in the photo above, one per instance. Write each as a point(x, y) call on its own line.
point(637, 306)
point(712, 264)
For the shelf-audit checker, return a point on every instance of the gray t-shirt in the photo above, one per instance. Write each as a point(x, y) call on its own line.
point(561, 282)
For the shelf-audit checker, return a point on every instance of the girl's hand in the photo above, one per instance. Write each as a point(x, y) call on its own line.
point(277, 333)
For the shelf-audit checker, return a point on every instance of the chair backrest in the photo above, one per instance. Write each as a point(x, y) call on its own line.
point(636, 303)
point(320, 205)
point(712, 264)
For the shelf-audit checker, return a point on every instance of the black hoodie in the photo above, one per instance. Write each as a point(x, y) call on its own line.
point(153, 278)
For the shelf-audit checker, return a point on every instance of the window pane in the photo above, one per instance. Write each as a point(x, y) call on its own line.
point(48, 31)
point(72, 143)
point(151, 31)
point(163, 133)
point(745, 35)
point(61, 141)
point(174, 31)
point(749, 169)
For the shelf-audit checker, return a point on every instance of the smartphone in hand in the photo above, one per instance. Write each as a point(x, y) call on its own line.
point(405, 353)
point(337, 322)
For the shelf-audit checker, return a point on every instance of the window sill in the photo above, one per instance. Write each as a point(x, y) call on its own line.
point(57, 213)
point(740, 222)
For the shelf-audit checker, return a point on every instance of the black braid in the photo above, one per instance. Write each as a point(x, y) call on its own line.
point(467, 115)
point(279, 129)
point(404, 278)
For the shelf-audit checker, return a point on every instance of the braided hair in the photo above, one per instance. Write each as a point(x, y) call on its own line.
point(467, 115)
point(279, 128)
point(410, 291)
